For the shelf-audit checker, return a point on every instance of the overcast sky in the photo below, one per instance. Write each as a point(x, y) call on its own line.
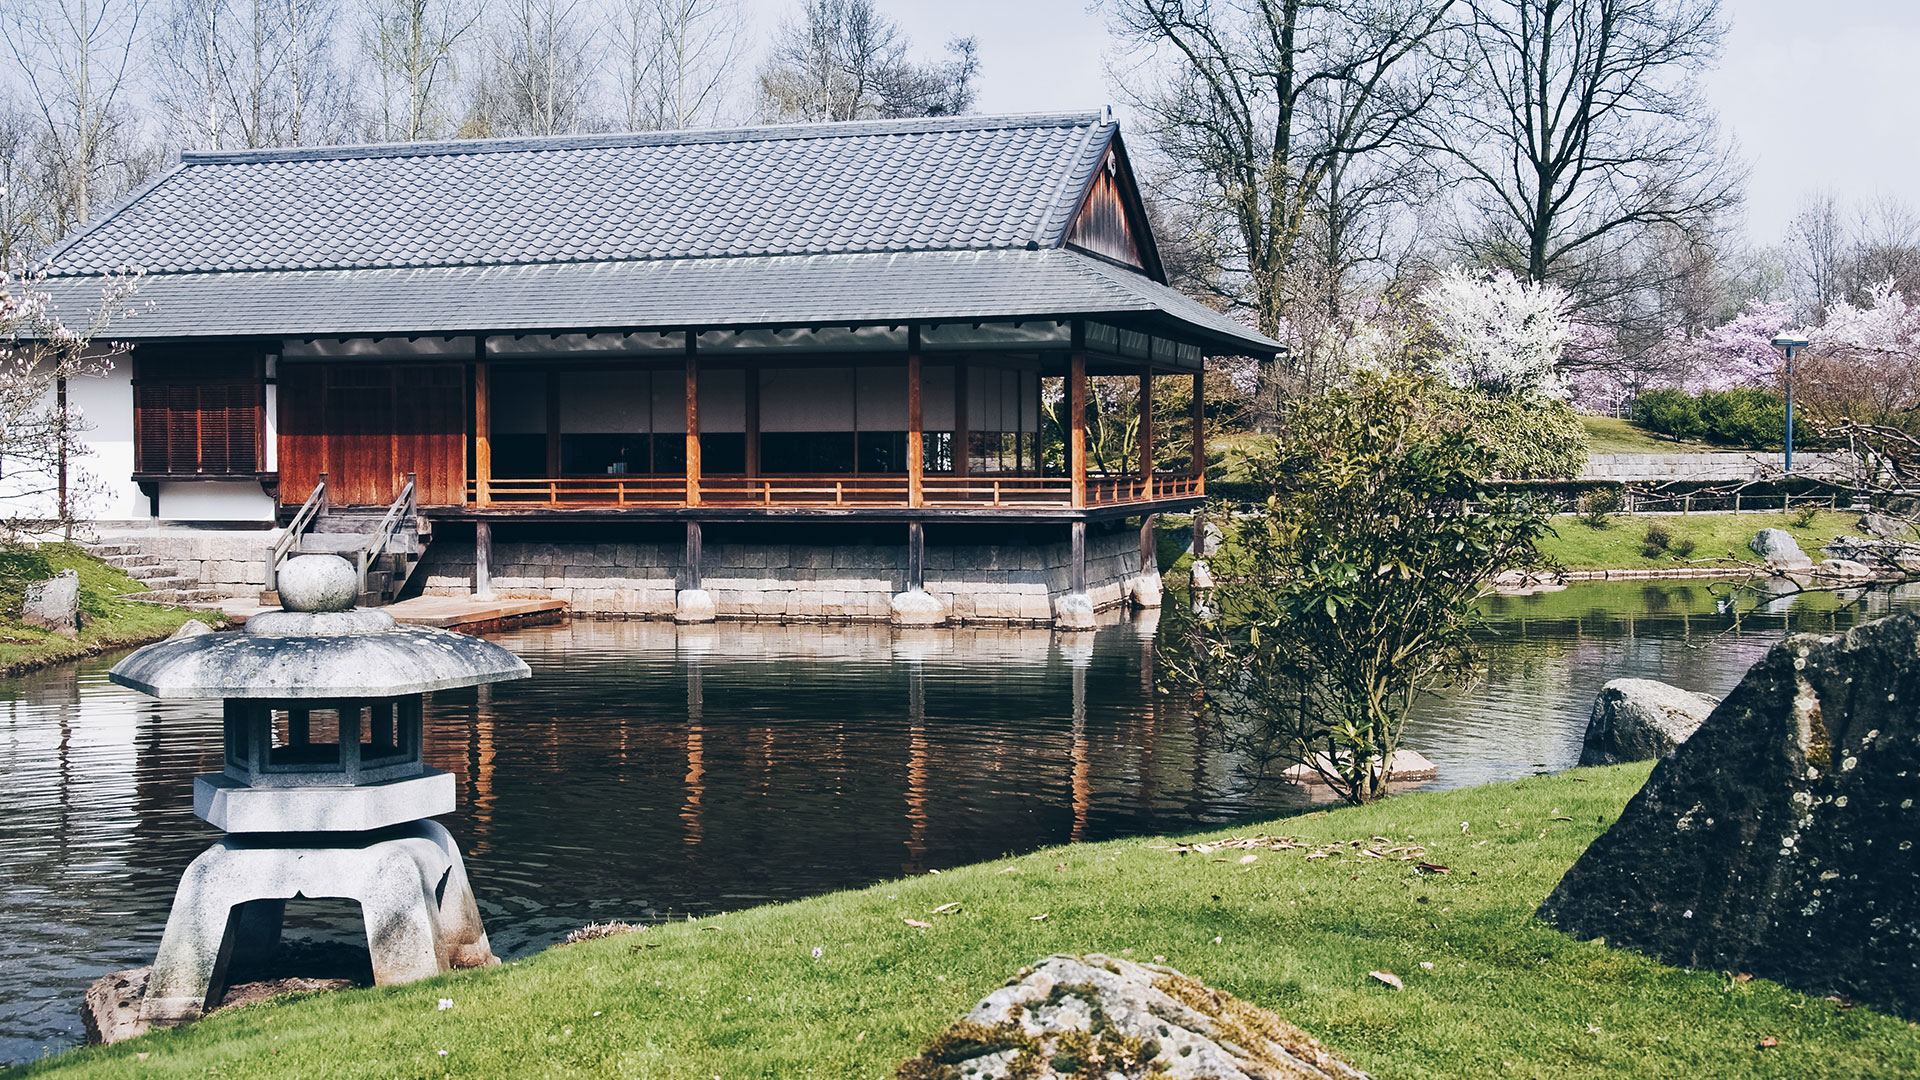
point(1819, 93)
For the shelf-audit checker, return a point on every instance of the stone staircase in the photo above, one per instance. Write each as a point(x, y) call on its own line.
point(166, 583)
point(344, 531)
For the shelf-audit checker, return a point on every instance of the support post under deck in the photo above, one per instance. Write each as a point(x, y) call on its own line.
point(482, 560)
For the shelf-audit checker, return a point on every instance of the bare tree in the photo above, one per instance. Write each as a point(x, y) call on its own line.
point(1584, 128)
point(249, 73)
point(675, 60)
point(1263, 112)
point(75, 61)
point(538, 80)
point(845, 60)
point(410, 47)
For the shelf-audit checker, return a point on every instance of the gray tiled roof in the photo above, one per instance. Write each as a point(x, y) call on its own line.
point(957, 217)
point(653, 294)
point(964, 183)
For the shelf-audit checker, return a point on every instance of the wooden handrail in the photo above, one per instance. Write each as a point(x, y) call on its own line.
point(836, 489)
point(315, 505)
point(397, 511)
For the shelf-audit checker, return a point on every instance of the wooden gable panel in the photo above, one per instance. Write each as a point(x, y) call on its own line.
point(1111, 221)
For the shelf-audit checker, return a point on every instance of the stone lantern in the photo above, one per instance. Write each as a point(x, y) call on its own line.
point(324, 792)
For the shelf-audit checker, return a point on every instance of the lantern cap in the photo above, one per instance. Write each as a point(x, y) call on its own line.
point(296, 655)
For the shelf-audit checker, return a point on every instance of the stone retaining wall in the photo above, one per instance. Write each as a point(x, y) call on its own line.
point(1741, 465)
point(206, 563)
point(1004, 583)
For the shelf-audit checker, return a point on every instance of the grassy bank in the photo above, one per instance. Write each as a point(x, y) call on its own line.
point(742, 995)
point(108, 622)
point(1610, 435)
point(1618, 544)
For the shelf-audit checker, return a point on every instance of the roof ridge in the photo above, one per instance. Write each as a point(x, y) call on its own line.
point(617, 140)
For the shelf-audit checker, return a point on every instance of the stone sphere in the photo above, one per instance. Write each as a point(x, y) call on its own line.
point(318, 583)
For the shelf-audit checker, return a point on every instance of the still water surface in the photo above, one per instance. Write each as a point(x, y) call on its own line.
point(649, 772)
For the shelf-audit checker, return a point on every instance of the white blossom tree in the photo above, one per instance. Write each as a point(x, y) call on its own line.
point(1498, 334)
point(43, 485)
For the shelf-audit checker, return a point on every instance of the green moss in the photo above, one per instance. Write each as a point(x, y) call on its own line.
point(109, 621)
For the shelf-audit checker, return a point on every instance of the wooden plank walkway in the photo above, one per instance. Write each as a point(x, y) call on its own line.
point(462, 613)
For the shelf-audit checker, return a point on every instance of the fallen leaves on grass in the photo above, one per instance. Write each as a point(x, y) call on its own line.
point(944, 908)
point(918, 925)
point(1769, 1042)
point(1377, 847)
point(1389, 978)
point(1040, 917)
point(1432, 868)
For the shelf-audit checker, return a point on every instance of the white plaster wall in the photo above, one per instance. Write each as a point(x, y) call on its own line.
point(213, 500)
point(106, 404)
point(101, 479)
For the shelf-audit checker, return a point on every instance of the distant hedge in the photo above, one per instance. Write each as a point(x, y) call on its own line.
point(1746, 419)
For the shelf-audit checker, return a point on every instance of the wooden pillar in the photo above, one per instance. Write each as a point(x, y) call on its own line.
point(752, 378)
point(482, 559)
point(916, 452)
point(1077, 560)
point(962, 424)
point(693, 431)
point(916, 556)
point(1077, 417)
point(60, 421)
point(482, 425)
point(693, 556)
point(1200, 428)
point(1146, 430)
point(1149, 557)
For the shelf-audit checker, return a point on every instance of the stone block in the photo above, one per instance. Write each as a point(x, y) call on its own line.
point(693, 606)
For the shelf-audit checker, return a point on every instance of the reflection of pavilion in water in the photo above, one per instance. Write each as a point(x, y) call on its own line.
point(1016, 737)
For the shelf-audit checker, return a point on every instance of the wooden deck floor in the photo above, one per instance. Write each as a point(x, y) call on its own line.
point(462, 613)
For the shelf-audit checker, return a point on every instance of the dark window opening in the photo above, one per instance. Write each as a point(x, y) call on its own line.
point(599, 454)
point(722, 453)
point(807, 451)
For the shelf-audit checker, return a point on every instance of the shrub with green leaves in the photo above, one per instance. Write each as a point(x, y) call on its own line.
point(1597, 506)
point(1353, 588)
point(1530, 437)
point(1656, 541)
point(1673, 413)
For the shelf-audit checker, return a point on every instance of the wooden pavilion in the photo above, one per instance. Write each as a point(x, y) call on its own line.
point(587, 338)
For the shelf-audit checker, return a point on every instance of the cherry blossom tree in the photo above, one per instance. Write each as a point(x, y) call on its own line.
point(1498, 334)
point(43, 485)
point(1864, 365)
point(1739, 352)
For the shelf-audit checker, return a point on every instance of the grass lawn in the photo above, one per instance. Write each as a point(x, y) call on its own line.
point(1618, 544)
point(1610, 435)
point(741, 995)
point(1227, 455)
point(108, 621)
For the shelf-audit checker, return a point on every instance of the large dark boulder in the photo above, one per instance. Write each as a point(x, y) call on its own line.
point(1779, 839)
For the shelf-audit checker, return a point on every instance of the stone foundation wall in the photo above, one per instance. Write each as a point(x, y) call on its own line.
point(201, 564)
point(1010, 583)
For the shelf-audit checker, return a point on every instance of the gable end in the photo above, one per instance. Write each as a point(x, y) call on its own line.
point(1111, 222)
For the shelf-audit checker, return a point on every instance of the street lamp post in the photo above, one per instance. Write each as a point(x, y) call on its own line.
point(1791, 345)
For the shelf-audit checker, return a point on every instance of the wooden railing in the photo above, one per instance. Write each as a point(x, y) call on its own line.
point(289, 541)
point(1107, 490)
point(839, 490)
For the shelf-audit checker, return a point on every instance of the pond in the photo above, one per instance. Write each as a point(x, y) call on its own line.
point(653, 772)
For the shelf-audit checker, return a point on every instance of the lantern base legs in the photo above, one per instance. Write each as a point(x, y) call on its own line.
point(409, 880)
